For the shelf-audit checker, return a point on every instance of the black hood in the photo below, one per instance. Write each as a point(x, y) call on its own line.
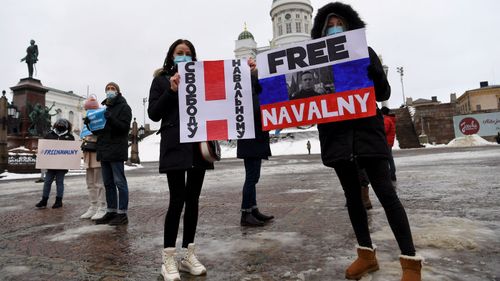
point(344, 11)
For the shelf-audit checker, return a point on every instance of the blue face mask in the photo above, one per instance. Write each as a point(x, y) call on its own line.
point(334, 30)
point(179, 59)
point(110, 94)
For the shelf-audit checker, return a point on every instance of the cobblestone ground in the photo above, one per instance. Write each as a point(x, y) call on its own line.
point(451, 201)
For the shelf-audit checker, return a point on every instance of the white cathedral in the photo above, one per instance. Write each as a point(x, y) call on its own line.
point(292, 22)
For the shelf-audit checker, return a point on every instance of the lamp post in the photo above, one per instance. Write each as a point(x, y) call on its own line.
point(144, 101)
point(141, 132)
point(134, 151)
point(4, 154)
point(400, 71)
point(386, 70)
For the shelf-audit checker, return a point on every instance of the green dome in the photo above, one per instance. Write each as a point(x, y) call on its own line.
point(245, 35)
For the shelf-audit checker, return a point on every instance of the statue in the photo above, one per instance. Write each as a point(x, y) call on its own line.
point(31, 57)
point(40, 120)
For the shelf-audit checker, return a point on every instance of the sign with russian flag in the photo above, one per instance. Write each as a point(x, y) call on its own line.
point(215, 101)
point(316, 81)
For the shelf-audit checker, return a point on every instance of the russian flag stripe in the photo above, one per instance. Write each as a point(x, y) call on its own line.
point(215, 88)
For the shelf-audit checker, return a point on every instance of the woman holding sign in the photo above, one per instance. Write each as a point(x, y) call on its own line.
point(347, 144)
point(61, 131)
point(182, 162)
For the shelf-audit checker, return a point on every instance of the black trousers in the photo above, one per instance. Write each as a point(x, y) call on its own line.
point(378, 173)
point(182, 192)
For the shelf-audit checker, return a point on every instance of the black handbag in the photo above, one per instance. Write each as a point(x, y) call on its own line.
point(210, 151)
point(89, 146)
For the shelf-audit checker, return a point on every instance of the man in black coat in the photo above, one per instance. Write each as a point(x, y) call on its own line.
point(112, 152)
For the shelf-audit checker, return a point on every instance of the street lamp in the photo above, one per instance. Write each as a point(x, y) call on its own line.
point(134, 149)
point(144, 101)
point(4, 154)
point(141, 132)
point(400, 71)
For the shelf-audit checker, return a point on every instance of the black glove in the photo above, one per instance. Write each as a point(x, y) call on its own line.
point(107, 114)
point(86, 121)
point(375, 73)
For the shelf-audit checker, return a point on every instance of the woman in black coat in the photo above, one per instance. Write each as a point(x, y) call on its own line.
point(347, 144)
point(61, 131)
point(182, 162)
point(252, 151)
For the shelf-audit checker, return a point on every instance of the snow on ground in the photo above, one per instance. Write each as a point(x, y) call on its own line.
point(290, 141)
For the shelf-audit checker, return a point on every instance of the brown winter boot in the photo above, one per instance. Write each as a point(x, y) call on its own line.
point(366, 197)
point(365, 263)
point(411, 266)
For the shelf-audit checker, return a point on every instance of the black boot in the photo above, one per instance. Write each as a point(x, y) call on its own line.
point(43, 203)
point(258, 215)
point(247, 219)
point(106, 219)
point(58, 203)
point(119, 219)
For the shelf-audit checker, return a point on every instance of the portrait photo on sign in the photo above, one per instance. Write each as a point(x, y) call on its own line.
point(310, 83)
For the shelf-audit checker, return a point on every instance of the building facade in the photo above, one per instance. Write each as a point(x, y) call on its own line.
point(484, 99)
point(65, 104)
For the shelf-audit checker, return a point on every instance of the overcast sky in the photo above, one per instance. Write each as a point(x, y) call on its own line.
point(445, 46)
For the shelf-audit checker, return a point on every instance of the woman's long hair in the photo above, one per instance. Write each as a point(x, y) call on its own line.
point(168, 64)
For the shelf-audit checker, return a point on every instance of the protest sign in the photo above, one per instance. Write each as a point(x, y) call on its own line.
point(97, 119)
point(215, 101)
point(316, 81)
point(58, 154)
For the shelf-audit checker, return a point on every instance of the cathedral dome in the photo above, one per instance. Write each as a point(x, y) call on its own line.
point(245, 35)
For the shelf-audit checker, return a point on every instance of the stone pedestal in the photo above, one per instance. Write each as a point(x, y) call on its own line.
point(28, 91)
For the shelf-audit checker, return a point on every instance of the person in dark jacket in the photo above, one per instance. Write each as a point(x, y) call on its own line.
point(361, 142)
point(61, 131)
point(182, 162)
point(112, 152)
point(390, 132)
point(252, 151)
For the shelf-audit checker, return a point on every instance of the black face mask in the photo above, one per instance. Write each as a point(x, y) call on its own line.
point(60, 129)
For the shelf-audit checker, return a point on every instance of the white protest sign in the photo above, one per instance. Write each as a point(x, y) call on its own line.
point(58, 154)
point(215, 101)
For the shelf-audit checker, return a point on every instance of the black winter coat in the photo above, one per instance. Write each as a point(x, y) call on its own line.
point(259, 147)
point(112, 140)
point(164, 107)
point(365, 137)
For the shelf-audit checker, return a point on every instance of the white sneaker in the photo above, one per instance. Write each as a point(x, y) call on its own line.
point(190, 262)
point(101, 211)
point(169, 269)
point(89, 213)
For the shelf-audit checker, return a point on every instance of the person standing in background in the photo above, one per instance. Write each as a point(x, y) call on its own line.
point(390, 133)
point(252, 151)
point(112, 152)
point(95, 187)
point(61, 131)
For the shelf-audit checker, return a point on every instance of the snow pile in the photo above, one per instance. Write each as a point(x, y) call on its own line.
point(471, 140)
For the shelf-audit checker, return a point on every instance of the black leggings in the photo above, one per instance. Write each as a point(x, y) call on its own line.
point(378, 173)
point(182, 192)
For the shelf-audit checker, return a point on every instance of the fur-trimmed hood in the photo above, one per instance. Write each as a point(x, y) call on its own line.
point(344, 11)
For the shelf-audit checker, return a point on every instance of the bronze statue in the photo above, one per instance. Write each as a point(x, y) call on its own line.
point(39, 119)
point(31, 57)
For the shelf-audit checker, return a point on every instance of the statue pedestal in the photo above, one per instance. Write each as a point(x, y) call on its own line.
point(26, 94)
